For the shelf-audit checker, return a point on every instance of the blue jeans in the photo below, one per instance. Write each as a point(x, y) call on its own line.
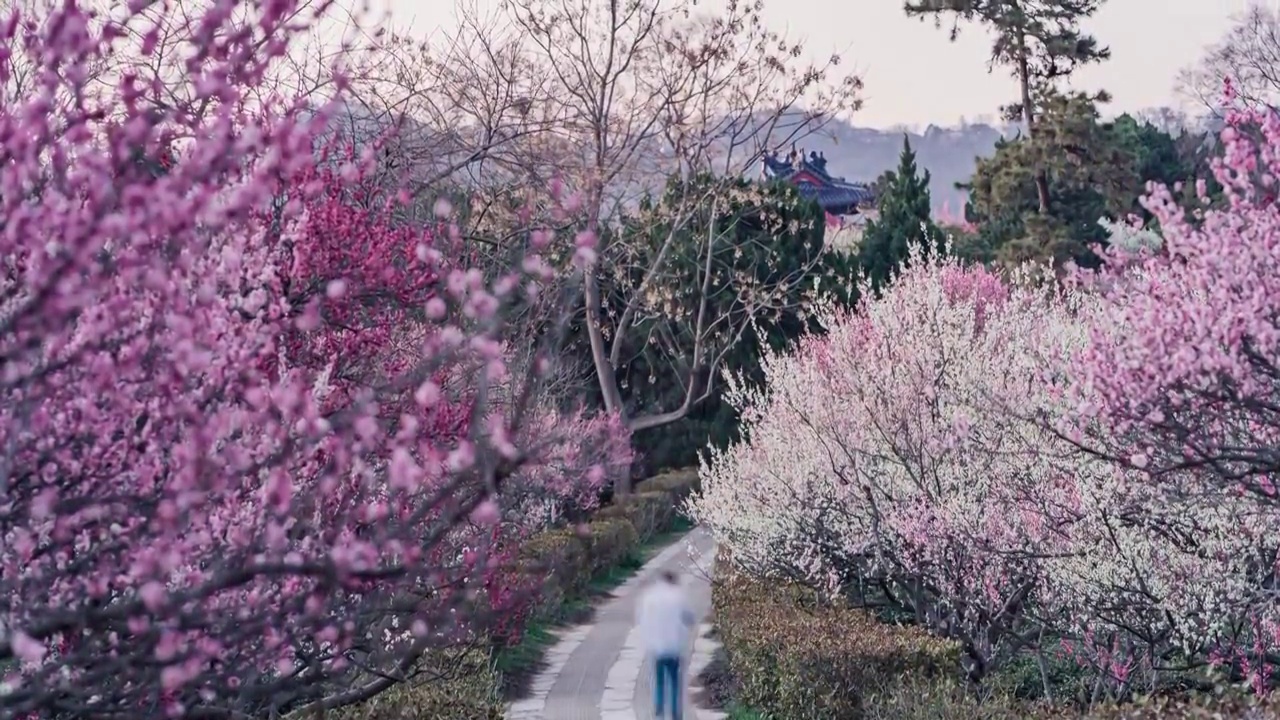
point(666, 680)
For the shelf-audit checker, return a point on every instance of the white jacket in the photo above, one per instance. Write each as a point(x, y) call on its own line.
point(665, 619)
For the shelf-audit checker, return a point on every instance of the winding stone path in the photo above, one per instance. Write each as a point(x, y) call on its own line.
point(597, 671)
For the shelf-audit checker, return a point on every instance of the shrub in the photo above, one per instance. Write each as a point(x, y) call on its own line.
point(562, 561)
point(793, 655)
point(609, 543)
point(1212, 706)
point(559, 557)
point(648, 512)
point(680, 483)
point(936, 698)
point(796, 655)
point(454, 685)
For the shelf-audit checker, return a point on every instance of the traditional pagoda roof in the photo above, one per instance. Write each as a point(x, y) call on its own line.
point(835, 195)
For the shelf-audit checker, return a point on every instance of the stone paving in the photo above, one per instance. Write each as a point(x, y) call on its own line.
point(597, 671)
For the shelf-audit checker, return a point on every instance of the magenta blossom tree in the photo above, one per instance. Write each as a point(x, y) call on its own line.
point(395, 280)
point(245, 467)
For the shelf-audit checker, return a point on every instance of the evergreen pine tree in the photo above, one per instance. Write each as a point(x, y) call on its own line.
point(1041, 43)
point(905, 220)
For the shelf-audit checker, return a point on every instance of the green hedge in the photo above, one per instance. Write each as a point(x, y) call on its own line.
point(567, 558)
point(559, 558)
point(1234, 705)
point(609, 541)
point(795, 656)
point(679, 483)
point(650, 513)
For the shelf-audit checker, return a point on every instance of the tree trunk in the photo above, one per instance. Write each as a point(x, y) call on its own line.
point(605, 375)
point(1028, 117)
point(1042, 191)
point(599, 356)
point(600, 360)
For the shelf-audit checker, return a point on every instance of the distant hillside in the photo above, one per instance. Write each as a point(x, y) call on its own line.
point(856, 153)
point(947, 153)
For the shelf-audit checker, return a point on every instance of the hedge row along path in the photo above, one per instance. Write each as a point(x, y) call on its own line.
point(597, 671)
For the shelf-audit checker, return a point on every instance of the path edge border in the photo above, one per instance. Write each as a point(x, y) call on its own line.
point(532, 707)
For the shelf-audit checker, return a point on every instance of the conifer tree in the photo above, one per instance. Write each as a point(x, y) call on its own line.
point(1039, 42)
point(1091, 174)
point(905, 220)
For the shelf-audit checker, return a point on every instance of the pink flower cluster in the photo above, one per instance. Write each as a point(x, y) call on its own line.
point(1177, 387)
point(251, 456)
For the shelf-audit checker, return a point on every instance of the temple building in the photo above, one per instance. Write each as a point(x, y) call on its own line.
point(835, 195)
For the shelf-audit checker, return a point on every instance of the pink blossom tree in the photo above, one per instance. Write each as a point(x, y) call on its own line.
point(1177, 389)
point(928, 474)
point(255, 454)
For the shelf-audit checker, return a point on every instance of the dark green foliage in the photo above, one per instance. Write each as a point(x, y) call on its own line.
point(795, 654)
point(771, 237)
point(1162, 158)
point(771, 254)
point(1155, 152)
point(1040, 196)
point(1041, 44)
point(1094, 169)
point(905, 220)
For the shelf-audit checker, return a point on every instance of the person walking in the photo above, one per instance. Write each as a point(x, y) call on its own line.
point(666, 622)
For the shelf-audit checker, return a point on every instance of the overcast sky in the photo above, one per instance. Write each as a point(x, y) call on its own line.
point(914, 76)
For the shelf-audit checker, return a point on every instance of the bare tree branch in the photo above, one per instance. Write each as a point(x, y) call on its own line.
point(1248, 55)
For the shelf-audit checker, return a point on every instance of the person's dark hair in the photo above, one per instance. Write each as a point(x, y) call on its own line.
point(668, 577)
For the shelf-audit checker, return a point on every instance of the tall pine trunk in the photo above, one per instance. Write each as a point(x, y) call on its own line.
point(1028, 117)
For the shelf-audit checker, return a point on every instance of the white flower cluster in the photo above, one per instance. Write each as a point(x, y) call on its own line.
point(1129, 238)
point(919, 441)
